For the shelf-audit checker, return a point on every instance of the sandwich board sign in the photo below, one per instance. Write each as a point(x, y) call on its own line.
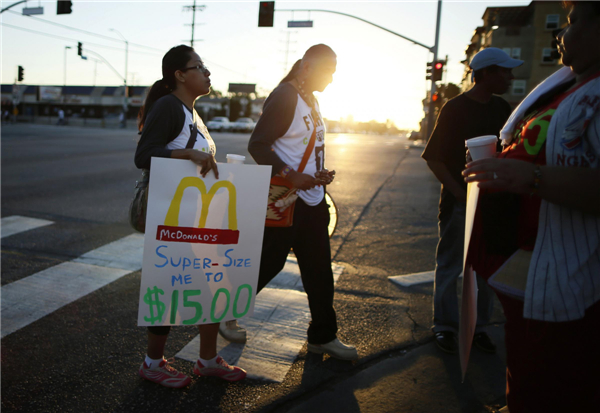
point(203, 243)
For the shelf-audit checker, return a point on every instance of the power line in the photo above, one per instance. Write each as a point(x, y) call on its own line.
point(99, 35)
point(69, 39)
point(85, 31)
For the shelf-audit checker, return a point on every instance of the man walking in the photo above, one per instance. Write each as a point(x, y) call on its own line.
point(473, 113)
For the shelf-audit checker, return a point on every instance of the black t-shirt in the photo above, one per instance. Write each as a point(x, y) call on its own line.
point(461, 119)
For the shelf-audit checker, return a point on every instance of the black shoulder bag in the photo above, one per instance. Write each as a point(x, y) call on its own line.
point(139, 203)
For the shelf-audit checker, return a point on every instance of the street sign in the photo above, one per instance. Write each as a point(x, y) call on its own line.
point(30, 11)
point(50, 93)
point(300, 23)
point(242, 88)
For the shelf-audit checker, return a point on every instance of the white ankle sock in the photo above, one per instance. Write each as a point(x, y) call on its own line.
point(153, 363)
point(209, 363)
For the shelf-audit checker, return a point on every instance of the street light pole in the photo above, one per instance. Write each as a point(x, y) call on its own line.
point(125, 77)
point(65, 79)
point(431, 112)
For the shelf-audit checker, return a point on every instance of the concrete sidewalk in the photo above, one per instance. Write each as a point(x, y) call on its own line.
point(400, 369)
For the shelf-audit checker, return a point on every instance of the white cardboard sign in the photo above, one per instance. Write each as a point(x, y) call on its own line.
point(203, 243)
point(468, 313)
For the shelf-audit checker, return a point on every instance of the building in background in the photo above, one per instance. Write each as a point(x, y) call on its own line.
point(524, 33)
point(93, 105)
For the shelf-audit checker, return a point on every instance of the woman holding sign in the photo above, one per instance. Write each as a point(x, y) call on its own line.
point(541, 249)
point(171, 128)
point(290, 136)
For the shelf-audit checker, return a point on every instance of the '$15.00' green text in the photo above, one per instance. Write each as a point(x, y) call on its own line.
point(157, 307)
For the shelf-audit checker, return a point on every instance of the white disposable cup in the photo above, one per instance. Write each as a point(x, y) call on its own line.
point(233, 158)
point(482, 147)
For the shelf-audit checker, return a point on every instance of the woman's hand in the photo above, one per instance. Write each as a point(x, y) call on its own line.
point(301, 181)
point(206, 162)
point(324, 177)
point(503, 174)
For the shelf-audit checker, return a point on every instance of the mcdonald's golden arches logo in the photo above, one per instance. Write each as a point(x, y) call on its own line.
point(171, 231)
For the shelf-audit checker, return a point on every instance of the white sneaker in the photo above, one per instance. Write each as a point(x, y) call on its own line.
point(335, 348)
point(231, 331)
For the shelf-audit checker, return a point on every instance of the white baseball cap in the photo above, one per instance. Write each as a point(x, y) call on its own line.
point(492, 56)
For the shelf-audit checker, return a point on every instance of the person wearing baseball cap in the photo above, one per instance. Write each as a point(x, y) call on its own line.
point(498, 65)
point(492, 56)
point(476, 112)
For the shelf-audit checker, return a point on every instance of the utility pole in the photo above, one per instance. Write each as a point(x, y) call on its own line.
point(431, 112)
point(287, 51)
point(65, 79)
point(193, 8)
point(125, 97)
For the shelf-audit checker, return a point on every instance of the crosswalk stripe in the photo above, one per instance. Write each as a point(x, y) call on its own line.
point(126, 254)
point(275, 333)
point(409, 280)
point(16, 223)
point(31, 298)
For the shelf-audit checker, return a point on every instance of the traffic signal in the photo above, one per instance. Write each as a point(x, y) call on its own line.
point(429, 70)
point(266, 9)
point(438, 70)
point(21, 74)
point(435, 98)
point(80, 49)
point(63, 7)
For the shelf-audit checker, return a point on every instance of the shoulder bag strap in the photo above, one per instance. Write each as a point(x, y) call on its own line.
point(193, 133)
point(309, 148)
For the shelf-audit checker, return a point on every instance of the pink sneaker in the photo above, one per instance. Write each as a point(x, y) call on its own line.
point(223, 370)
point(164, 375)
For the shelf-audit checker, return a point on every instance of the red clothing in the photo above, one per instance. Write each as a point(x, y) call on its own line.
point(528, 145)
point(551, 367)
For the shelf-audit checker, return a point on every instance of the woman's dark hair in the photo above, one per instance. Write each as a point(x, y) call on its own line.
point(293, 72)
point(313, 52)
point(479, 74)
point(595, 5)
point(175, 59)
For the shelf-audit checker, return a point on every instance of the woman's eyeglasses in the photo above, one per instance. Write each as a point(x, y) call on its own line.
point(199, 67)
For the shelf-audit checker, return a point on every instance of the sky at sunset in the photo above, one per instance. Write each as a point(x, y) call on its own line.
point(380, 76)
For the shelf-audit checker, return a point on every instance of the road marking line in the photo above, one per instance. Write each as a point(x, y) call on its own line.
point(31, 298)
point(276, 331)
point(126, 254)
point(16, 223)
point(409, 280)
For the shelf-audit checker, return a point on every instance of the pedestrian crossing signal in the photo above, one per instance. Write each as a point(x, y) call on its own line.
point(266, 9)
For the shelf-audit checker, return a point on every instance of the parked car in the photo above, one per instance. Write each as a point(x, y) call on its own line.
point(414, 136)
point(243, 125)
point(218, 124)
